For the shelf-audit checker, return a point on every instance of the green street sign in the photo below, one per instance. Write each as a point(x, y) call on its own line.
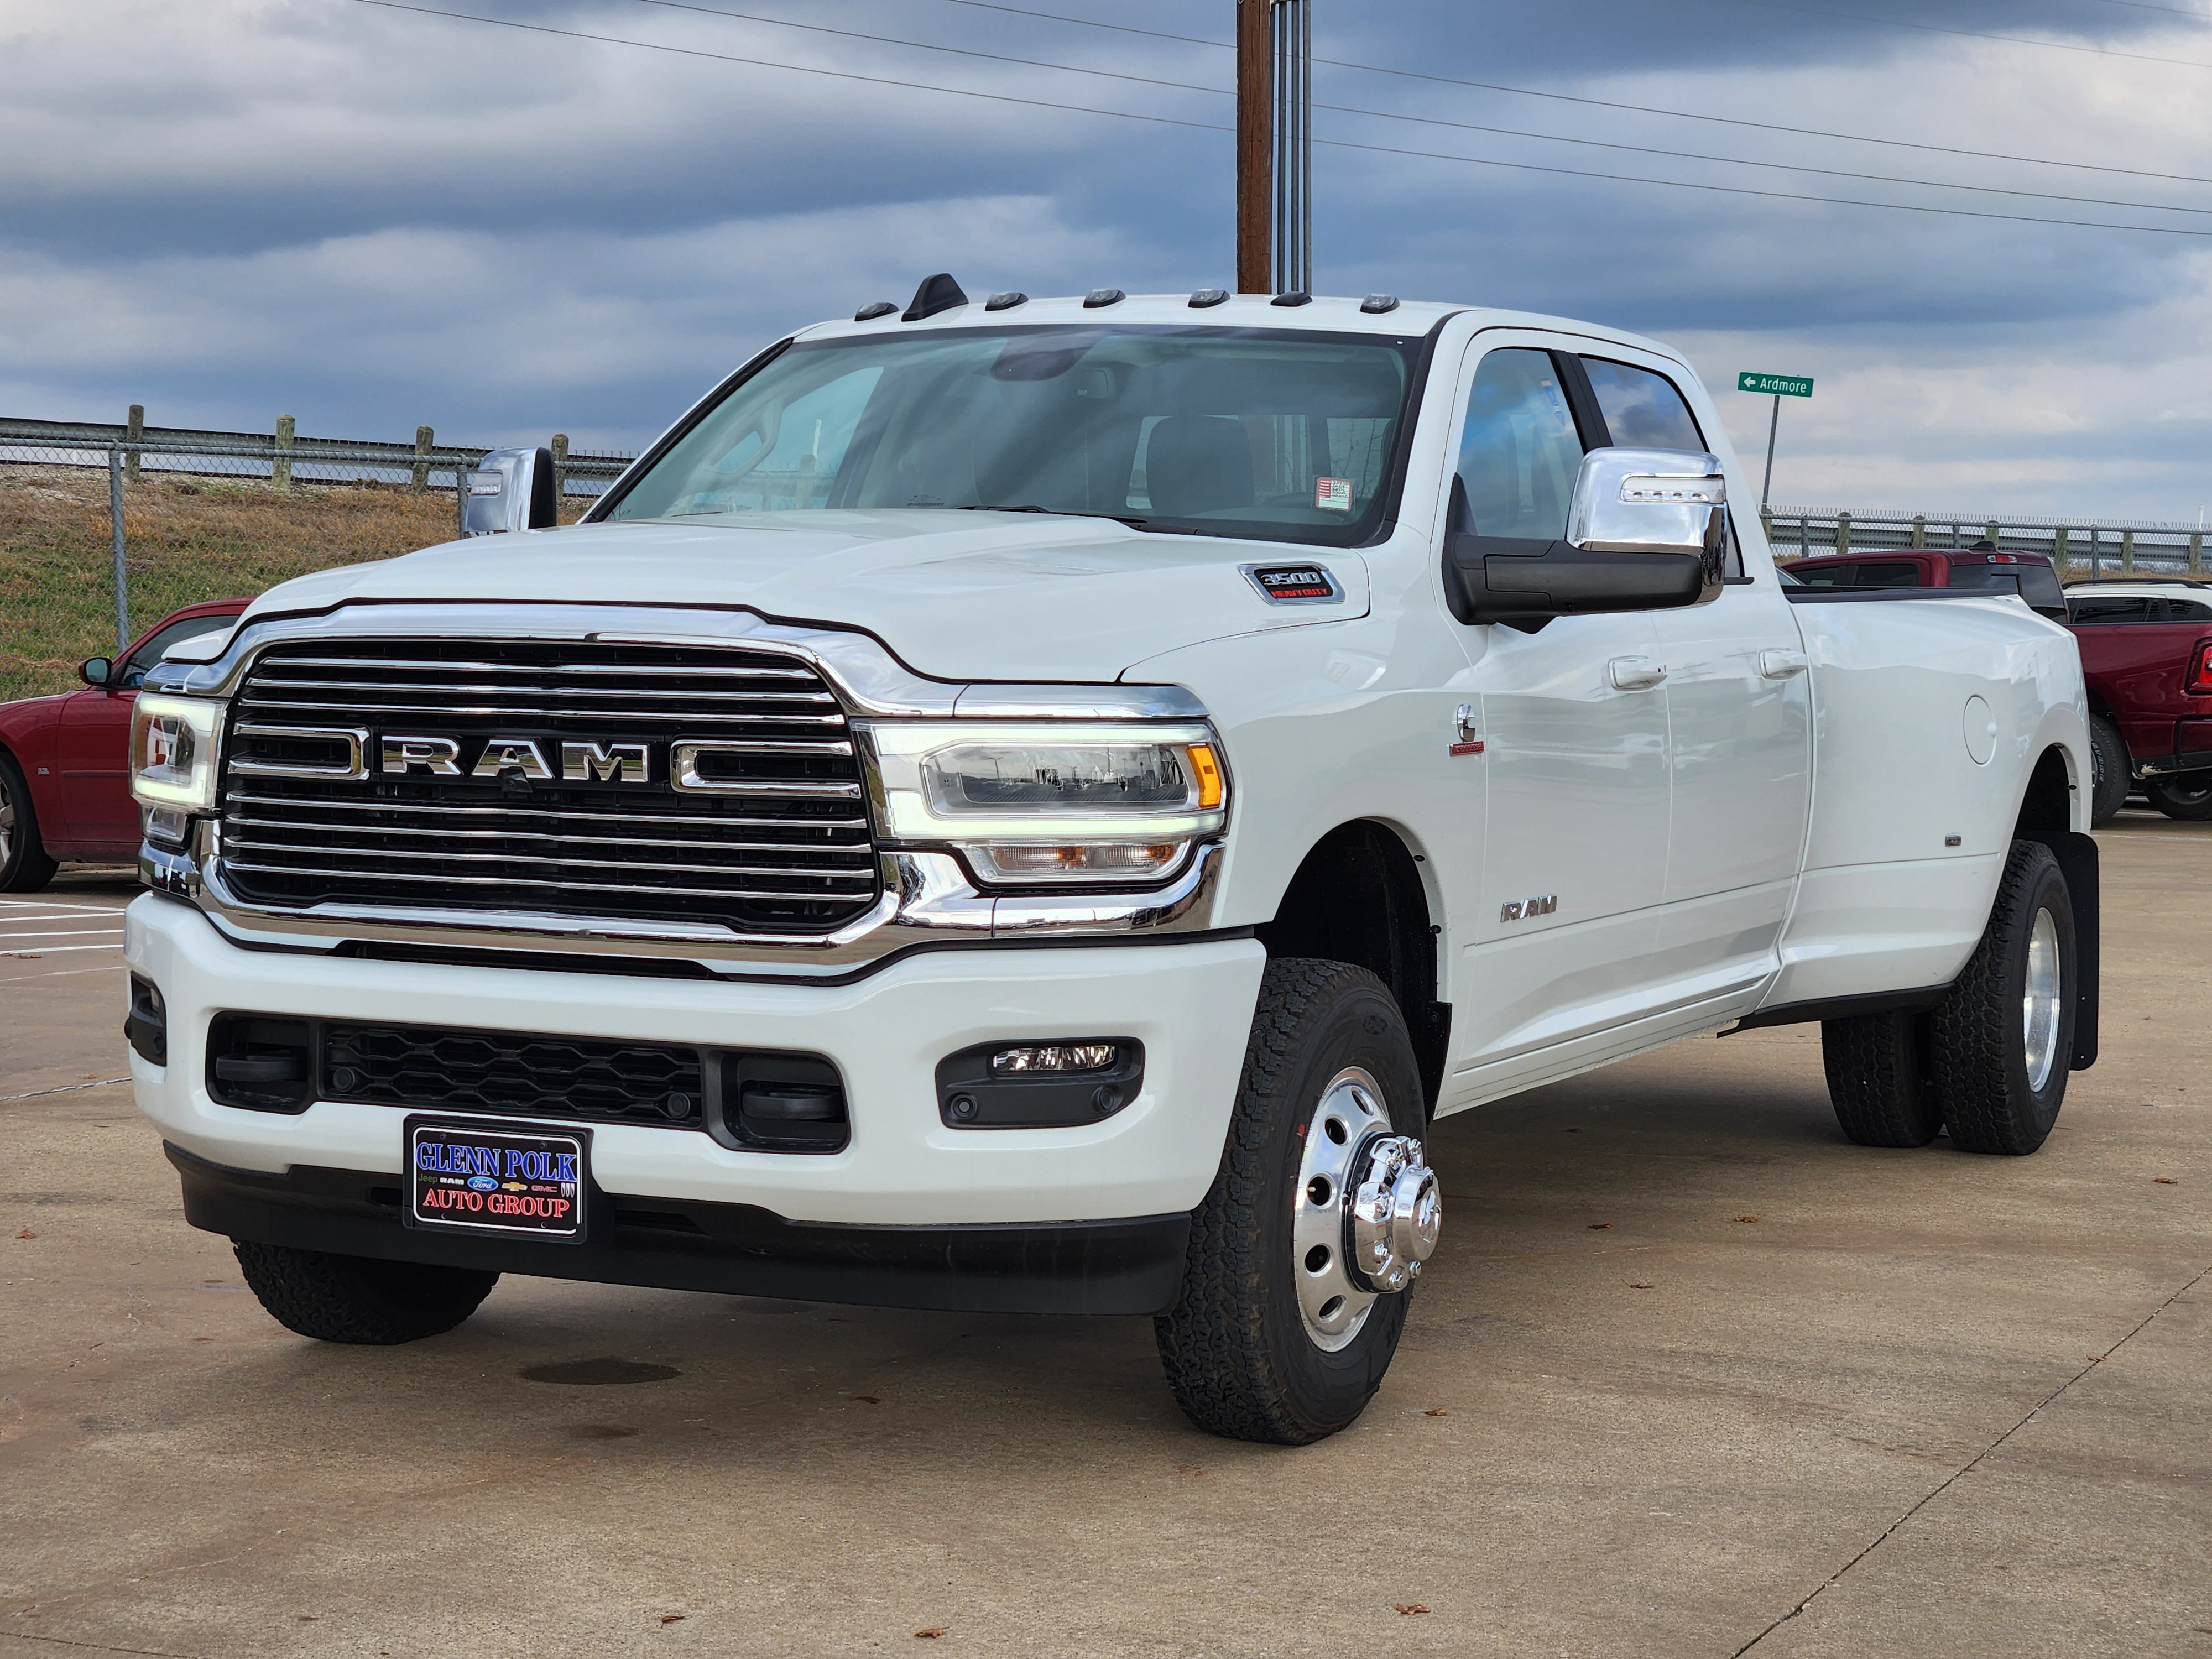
point(1780, 386)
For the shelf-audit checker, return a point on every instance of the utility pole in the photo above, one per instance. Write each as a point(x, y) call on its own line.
point(1255, 144)
point(1773, 426)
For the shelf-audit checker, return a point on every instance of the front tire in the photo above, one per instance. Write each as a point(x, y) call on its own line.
point(24, 865)
point(2111, 772)
point(1328, 1056)
point(2188, 798)
point(2002, 1039)
point(354, 1299)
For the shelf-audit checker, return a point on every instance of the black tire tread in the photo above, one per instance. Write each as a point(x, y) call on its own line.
point(1214, 1342)
point(1877, 1079)
point(28, 869)
point(1977, 1022)
point(350, 1298)
point(2191, 807)
point(2114, 773)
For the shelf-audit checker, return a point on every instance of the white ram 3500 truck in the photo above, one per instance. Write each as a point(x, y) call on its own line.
point(1035, 805)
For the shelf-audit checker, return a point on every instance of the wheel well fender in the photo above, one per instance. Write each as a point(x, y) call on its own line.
point(1359, 896)
point(2047, 801)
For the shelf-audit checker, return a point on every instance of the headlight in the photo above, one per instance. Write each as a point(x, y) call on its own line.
point(1065, 802)
point(174, 743)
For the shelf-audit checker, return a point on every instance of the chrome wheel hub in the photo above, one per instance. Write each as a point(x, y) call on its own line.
point(1368, 1210)
point(2039, 1000)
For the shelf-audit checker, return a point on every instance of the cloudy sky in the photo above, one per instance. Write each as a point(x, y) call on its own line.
point(370, 217)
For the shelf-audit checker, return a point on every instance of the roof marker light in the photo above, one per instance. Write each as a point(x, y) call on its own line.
point(1103, 296)
point(1006, 301)
point(936, 294)
point(1376, 304)
point(1206, 298)
point(869, 313)
point(1293, 298)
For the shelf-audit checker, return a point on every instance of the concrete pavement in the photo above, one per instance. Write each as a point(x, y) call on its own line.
point(1692, 1376)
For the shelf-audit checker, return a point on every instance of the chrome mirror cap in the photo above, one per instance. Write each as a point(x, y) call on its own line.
point(1650, 501)
point(511, 489)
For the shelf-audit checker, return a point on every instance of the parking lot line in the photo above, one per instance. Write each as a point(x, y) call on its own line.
point(58, 950)
point(56, 973)
point(74, 933)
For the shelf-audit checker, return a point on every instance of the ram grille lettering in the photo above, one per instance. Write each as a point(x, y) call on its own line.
point(608, 763)
point(504, 755)
point(439, 757)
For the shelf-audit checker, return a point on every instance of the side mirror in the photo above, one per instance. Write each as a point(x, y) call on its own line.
point(1650, 501)
point(1647, 530)
point(96, 671)
point(512, 489)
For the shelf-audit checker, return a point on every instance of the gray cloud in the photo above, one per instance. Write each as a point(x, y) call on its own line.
point(370, 218)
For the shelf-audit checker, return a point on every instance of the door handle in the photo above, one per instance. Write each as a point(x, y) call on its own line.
point(1634, 673)
point(1781, 664)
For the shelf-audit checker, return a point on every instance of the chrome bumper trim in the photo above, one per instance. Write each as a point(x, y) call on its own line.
point(927, 900)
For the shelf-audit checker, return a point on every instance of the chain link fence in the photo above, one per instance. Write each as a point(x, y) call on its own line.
point(103, 529)
point(2082, 548)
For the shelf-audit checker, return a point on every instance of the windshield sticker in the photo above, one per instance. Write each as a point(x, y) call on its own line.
point(1332, 495)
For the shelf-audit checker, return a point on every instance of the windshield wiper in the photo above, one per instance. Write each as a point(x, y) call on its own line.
point(1056, 511)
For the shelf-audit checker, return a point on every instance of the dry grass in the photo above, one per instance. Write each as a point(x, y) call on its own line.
point(185, 540)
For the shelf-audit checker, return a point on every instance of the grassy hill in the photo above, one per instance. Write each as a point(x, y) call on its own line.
point(185, 539)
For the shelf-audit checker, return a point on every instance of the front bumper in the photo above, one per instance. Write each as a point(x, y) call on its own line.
point(1190, 1004)
point(1128, 1266)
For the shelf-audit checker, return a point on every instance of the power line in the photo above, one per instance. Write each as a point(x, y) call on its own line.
point(1975, 34)
point(2178, 11)
point(1607, 103)
point(1433, 121)
point(1210, 126)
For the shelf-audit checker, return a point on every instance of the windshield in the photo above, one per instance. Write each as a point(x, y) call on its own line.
point(1276, 434)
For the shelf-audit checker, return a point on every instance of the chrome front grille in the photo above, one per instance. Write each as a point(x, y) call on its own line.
point(575, 779)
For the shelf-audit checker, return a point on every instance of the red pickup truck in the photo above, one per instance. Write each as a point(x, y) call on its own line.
point(2146, 652)
point(65, 783)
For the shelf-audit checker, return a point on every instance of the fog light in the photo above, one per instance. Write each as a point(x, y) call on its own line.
point(1055, 1057)
point(1039, 1086)
point(146, 1026)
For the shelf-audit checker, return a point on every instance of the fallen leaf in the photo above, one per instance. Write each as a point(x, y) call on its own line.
point(1410, 1606)
point(1190, 1468)
point(672, 1618)
point(92, 1077)
point(1640, 1286)
point(931, 1633)
point(1437, 1411)
point(305, 1618)
point(1601, 1226)
point(27, 1233)
point(2164, 1181)
point(865, 1399)
point(1746, 1217)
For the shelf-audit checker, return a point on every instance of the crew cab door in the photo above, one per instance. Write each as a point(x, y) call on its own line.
point(1739, 733)
point(1573, 723)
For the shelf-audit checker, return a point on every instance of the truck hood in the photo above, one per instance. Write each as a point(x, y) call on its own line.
point(955, 595)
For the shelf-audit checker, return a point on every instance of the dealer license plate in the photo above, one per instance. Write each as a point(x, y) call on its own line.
point(473, 1178)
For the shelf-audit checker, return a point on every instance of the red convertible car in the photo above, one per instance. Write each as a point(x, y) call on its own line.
point(64, 791)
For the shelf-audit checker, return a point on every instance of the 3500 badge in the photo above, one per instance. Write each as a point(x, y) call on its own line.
point(471, 1178)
